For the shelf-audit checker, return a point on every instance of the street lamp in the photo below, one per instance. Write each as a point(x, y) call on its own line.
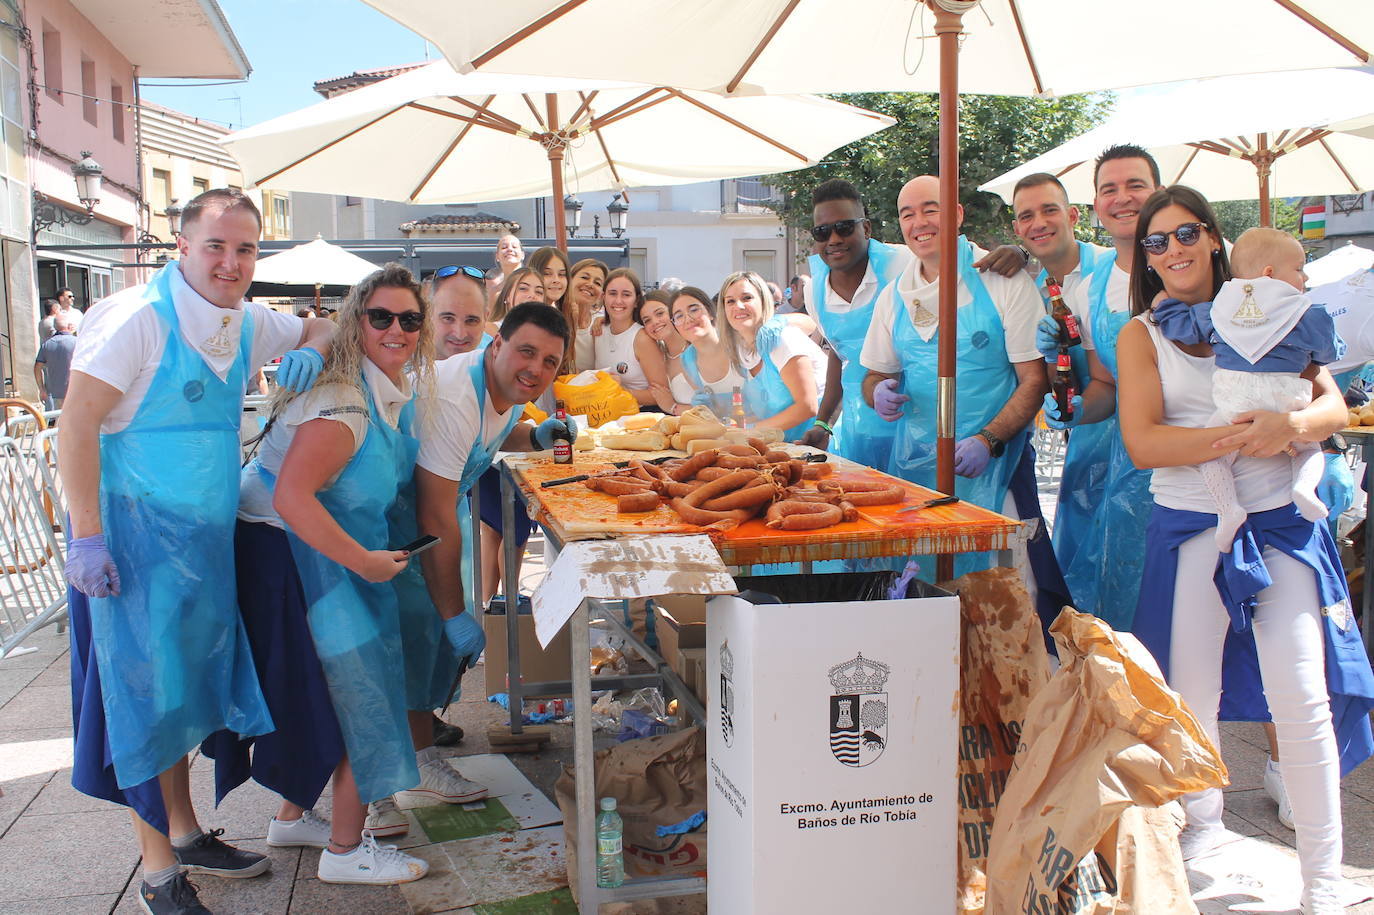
point(88, 174)
point(615, 211)
point(572, 215)
point(174, 211)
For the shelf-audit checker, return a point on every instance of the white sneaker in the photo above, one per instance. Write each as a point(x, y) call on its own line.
point(1273, 786)
point(383, 819)
point(1321, 897)
point(1198, 841)
point(310, 830)
point(440, 780)
point(380, 865)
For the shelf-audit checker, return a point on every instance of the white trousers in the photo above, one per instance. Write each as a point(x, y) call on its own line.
point(1288, 636)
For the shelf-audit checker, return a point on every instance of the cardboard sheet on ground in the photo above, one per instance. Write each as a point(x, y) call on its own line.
point(488, 870)
point(629, 567)
point(1254, 874)
point(519, 797)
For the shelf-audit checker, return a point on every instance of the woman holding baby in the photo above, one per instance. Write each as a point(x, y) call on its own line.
point(1268, 620)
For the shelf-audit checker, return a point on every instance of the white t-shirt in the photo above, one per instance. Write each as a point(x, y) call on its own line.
point(122, 340)
point(792, 342)
point(1118, 300)
point(868, 288)
point(1017, 301)
point(1350, 302)
point(448, 421)
point(342, 403)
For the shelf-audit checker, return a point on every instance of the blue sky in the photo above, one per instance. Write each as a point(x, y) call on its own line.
point(291, 44)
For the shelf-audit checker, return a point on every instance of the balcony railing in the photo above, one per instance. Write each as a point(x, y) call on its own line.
point(748, 195)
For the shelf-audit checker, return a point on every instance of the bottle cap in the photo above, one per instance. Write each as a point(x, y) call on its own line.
point(608, 803)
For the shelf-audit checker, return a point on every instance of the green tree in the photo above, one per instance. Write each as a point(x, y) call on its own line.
point(1236, 216)
point(996, 133)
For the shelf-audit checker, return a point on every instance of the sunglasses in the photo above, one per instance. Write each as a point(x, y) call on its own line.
point(381, 319)
point(444, 273)
point(1187, 235)
point(843, 228)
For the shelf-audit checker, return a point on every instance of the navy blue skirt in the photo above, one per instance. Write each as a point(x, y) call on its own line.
point(1052, 594)
point(297, 759)
point(92, 769)
point(489, 485)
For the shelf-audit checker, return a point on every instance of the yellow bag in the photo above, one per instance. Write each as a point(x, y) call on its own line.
point(601, 401)
point(534, 414)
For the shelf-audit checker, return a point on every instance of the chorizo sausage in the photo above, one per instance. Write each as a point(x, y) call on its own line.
point(817, 471)
point(749, 496)
point(776, 457)
point(617, 486)
point(861, 493)
point(688, 468)
point(758, 445)
point(728, 483)
point(637, 502)
point(739, 450)
point(652, 470)
point(675, 490)
point(848, 512)
point(802, 516)
point(719, 520)
point(735, 461)
point(707, 474)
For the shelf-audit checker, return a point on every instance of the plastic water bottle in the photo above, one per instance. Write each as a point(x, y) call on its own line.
point(610, 831)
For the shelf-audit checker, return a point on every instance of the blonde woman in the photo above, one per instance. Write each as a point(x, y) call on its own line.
point(782, 368)
point(580, 307)
point(315, 571)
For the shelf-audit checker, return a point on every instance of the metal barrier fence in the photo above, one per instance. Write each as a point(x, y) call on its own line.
point(33, 589)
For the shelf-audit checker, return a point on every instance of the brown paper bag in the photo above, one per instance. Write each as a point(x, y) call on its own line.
point(1104, 738)
point(1003, 664)
point(656, 781)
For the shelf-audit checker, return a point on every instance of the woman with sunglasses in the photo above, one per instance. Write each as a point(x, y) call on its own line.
point(623, 348)
point(783, 370)
point(523, 285)
point(1277, 603)
point(315, 586)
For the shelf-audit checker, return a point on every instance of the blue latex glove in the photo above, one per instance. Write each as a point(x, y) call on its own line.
point(1337, 488)
point(466, 637)
point(888, 399)
point(90, 567)
point(1047, 337)
point(543, 433)
point(703, 399)
point(971, 456)
point(1052, 412)
point(299, 369)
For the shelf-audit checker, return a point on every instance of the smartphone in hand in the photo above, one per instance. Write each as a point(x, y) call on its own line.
point(419, 546)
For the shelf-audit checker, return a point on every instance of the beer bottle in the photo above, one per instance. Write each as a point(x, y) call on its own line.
point(737, 409)
point(562, 441)
point(1068, 323)
point(1063, 385)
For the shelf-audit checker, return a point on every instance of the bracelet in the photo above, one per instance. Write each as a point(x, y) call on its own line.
point(824, 425)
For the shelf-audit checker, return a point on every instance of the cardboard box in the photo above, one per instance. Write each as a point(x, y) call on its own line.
point(536, 664)
point(831, 749)
point(680, 622)
point(692, 669)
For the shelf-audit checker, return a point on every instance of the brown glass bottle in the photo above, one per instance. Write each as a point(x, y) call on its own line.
point(1063, 385)
point(562, 441)
point(1069, 334)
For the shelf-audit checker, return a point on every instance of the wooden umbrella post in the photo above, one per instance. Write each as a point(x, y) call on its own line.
point(555, 146)
point(1263, 159)
point(948, 25)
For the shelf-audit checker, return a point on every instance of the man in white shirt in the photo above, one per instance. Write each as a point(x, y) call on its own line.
point(1350, 302)
point(149, 461)
point(66, 301)
point(1001, 374)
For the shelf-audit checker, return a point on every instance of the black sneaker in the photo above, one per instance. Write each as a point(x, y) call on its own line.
point(176, 897)
point(208, 855)
point(445, 734)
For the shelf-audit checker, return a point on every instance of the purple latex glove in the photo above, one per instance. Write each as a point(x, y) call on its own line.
point(888, 400)
point(90, 567)
point(971, 456)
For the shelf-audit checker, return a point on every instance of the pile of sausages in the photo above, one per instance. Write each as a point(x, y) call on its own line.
point(720, 488)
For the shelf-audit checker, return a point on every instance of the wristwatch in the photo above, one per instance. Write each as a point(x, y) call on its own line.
point(1336, 443)
point(995, 445)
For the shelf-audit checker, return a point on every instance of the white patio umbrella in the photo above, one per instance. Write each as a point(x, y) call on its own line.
point(434, 136)
point(1338, 264)
point(1019, 47)
point(314, 264)
point(1233, 138)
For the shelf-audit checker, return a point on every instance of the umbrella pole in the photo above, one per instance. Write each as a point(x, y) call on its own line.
point(555, 147)
point(1263, 159)
point(317, 298)
point(948, 25)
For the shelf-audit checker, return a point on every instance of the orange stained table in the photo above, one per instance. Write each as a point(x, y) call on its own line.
point(573, 512)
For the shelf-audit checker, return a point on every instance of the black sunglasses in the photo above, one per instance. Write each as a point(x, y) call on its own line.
point(381, 319)
point(1187, 235)
point(843, 228)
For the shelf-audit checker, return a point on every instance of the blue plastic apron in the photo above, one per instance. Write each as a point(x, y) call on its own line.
point(171, 650)
point(766, 394)
point(1104, 574)
point(430, 663)
point(354, 622)
point(860, 433)
point(985, 381)
point(720, 403)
